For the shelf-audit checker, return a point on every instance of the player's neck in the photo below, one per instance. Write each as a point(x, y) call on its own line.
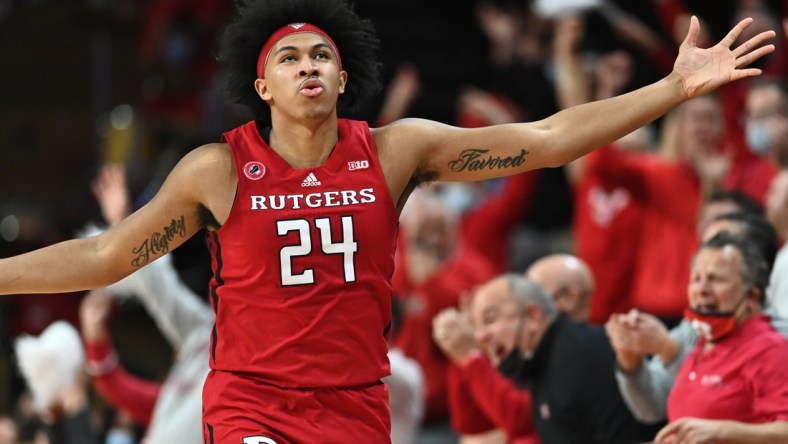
point(304, 144)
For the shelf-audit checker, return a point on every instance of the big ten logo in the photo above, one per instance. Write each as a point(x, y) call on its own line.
point(357, 165)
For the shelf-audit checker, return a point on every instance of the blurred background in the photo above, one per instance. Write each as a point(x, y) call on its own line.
point(86, 82)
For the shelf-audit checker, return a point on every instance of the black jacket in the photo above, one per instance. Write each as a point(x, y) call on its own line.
point(575, 395)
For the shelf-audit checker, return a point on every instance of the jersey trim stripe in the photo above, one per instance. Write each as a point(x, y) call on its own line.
point(217, 246)
point(210, 433)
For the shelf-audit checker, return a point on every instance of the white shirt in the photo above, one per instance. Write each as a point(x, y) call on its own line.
point(406, 397)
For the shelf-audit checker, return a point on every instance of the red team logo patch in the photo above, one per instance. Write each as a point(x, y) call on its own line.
point(254, 170)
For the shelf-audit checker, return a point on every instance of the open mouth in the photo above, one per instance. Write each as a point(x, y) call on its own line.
point(497, 354)
point(707, 309)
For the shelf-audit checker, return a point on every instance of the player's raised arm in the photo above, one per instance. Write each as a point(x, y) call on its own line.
point(454, 154)
point(176, 213)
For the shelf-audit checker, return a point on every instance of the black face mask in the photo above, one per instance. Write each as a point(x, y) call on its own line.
point(514, 365)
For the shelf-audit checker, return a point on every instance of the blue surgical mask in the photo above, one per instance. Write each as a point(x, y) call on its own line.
point(120, 436)
point(759, 138)
point(459, 197)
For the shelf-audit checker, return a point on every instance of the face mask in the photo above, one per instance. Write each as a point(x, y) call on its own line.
point(459, 198)
point(510, 365)
point(712, 326)
point(516, 365)
point(759, 139)
point(119, 436)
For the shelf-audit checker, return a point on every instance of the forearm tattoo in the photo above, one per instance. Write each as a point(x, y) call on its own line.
point(159, 243)
point(475, 160)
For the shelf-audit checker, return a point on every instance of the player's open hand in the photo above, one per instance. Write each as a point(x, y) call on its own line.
point(704, 70)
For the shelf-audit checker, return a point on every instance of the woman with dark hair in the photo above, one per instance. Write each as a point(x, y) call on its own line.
point(301, 209)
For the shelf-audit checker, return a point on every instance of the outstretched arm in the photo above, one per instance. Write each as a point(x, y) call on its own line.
point(193, 189)
point(454, 154)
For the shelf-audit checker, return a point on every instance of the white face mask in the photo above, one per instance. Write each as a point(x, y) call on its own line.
point(759, 138)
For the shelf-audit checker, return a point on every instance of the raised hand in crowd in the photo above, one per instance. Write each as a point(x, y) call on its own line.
point(487, 107)
point(635, 335)
point(572, 83)
point(402, 91)
point(502, 28)
point(94, 312)
point(453, 333)
point(111, 191)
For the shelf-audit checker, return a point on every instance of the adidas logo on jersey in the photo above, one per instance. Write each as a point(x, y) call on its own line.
point(310, 181)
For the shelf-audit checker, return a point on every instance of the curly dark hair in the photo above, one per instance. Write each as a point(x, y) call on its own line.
point(256, 20)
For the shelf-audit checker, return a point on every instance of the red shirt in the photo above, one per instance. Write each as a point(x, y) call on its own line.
point(464, 270)
point(669, 197)
point(607, 223)
point(488, 227)
point(743, 378)
point(481, 399)
point(482, 253)
point(749, 173)
point(123, 390)
point(302, 267)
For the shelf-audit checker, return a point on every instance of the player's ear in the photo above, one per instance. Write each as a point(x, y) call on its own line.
point(342, 81)
point(261, 86)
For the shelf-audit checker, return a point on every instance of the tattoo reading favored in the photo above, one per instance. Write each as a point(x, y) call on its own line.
point(474, 160)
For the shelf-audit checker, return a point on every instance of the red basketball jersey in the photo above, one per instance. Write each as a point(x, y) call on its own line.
point(302, 267)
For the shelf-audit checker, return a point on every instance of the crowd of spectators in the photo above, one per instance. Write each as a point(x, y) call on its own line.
point(543, 278)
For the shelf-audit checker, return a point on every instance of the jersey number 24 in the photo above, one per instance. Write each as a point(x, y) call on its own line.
point(347, 248)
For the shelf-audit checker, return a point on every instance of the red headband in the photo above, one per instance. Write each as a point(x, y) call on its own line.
point(284, 31)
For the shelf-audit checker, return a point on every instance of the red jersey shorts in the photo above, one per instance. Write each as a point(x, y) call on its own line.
point(241, 410)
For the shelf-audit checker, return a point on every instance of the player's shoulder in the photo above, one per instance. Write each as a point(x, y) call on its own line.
point(410, 131)
point(208, 156)
point(211, 152)
point(409, 125)
point(207, 163)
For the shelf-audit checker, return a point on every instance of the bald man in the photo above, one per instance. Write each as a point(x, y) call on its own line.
point(568, 280)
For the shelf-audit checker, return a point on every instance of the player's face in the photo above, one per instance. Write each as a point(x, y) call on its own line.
point(495, 316)
point(716, 281)
point(302, 77)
